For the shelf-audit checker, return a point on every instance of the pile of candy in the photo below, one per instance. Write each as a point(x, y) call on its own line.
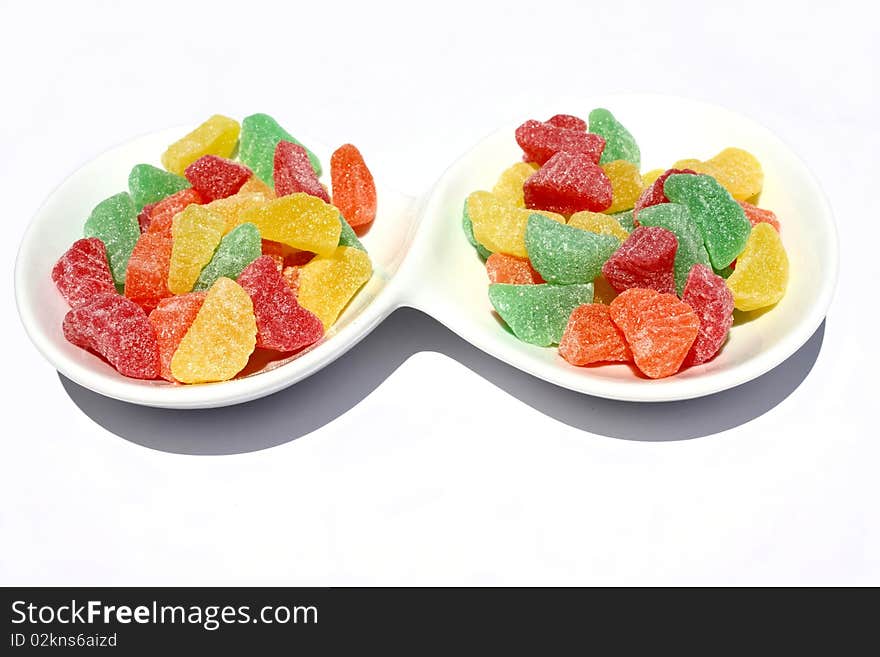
point(585, 252)
point(183, 276)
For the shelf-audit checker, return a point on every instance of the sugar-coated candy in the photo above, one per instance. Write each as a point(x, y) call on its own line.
point(757, 215)
point(328, 283)
point(82, 272)
point(300, 220)
point(156, 217)
point(117, 329)
point(626, 220)
point(293, 172)
point(691, 251)
point(216, 177)
point(347, 236)
point(619, 143)
point(196, 233)
point(541, 141)
point(282, 323)
point(720, 218)
point(260, 134)
point(568, 121)
point(761, 273)
point(501, 227)
point(354, 191)
point(171, 319)
point(291, 277)
point(216, 136)
point(467, 225)
point(591, 337)
point(255, 185)
point(602, 291)
point(238, 248)
point(148, 184)
point(596, 222)
point(564, 254)
point(568, 183)
point(232, 208)
point(626, 184)
point(649, 177)
point(114, 222)
point(537, 314)
point(653, 194)
point(510, 269)
point(509, 187)
point(659, 329)
point(146, 281)
point(645, 260)
point(712, 301)
point(737, 170)
point(221, 338)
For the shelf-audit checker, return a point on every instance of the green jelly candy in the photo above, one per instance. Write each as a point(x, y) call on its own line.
point(564, 254)
point(468, 227)
point(260, 134)
point(148, 184)
point(537, 314)
point(619, 143)
point(626, 221)
point(720, 218)
point(691, 251)
point(238, 248)
point(348, 237)
point(724, 273)
point(114, 222)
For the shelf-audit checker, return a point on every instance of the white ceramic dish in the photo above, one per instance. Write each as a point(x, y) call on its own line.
point(422, 260)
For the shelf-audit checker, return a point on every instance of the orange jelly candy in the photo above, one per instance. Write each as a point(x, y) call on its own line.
point(503, 268)
point(757, 215)
point(591, 337)
point(146, 280)
point(171, 320)
point(354, 191)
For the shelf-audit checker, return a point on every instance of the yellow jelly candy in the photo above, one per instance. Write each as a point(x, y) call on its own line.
point(221, 338)
point(232, 207)
point(509, 187)
point(216, 136)
point(196, 232)
point(327, 283)
point(737, 170)
point(761, 272)
point(254, 184)
point(626, 184)
point(649, 177)
point(501, 226)
point(302, 221)
point(596, 222)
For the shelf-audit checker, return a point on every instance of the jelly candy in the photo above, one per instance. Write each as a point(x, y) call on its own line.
point(156, 217)
point(197, 232)
point(354, 191)
point(260, 134)
point(737, 170)
point(653, 194)
point(117, 329)
point(347, 237)
point(82, 272)
point(602, 291)
point(291, 276)
point(659, 329)
point(501, 227)
point(114, 222)
point(300, 220)
point(721, 220)
point(761, 273)
point(567, 183)
point(537, 314)
point(564, 254)
point(293, 172)
point(596, 222)
point(509, 188)
point(541, 141)
point(757, 215)
point(146, 281)
point(710, 298)
point(255, 185)
point(626, 184)
point(619, 143)
point(171, 320)
point(148, 184)
point(216, 136)
point(216, 177)
point(568, 121)
point(626, 220)
point(238, 248)
point(468, 227)
point(676, 218)
point(650, 177)
point(510, 269)
point(282, 324)
point(591, 337)
point(645, 260)
point(221, 338)
point(327, 283)
point(232, 208)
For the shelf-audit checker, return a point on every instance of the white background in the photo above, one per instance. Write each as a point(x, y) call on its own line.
point(439, 476)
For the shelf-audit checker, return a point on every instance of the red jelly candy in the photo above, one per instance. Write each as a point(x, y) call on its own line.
point(541, 141)
point(83, 272)
point(591, 337)
point(171, 320)
point(644, 260)
point(291, 275)
point(712, 300)
point(568, 121)
point(503, 268)
point(568, 183)
point(146, 279)
point(653, 194)
point(216, 177)
point(156, 217)
point(282, 324)
point(293, 172)
point(757, 215)
point(354, 191)
point(117, 329)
